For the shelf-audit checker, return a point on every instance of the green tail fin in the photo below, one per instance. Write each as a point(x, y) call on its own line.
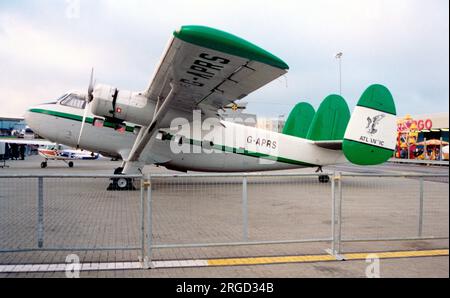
point(299, 120)
point(370, 137)
point(330, 121)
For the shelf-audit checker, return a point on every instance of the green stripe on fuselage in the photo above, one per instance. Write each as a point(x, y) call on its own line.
point(76, 118)
point(247, 153)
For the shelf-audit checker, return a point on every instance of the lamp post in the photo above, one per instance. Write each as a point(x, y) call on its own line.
point(339, 57)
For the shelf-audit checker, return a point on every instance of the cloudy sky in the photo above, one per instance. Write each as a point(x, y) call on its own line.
point(48, 47)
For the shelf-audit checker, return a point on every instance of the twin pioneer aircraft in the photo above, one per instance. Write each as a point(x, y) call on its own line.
point(176, 123)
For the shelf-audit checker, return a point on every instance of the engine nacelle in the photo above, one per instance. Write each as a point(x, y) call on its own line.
point(121, 105)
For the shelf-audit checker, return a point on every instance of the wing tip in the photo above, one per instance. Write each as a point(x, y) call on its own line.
point(228, 43)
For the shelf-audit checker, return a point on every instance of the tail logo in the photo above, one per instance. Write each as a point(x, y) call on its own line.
point(372, 123)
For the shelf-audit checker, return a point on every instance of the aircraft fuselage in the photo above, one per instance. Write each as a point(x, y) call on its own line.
point(229, 147)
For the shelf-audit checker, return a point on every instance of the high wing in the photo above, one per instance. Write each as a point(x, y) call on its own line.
point(209, 69)
point(204, 69)
point(26, 142)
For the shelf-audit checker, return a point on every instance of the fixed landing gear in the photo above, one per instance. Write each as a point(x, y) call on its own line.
point(44, 164)
point(322, 178)
point(120, 184)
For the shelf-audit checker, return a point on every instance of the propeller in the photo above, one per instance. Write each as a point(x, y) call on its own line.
point(89, 97)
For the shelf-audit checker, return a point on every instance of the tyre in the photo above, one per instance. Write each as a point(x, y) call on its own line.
point(121, 184)
point(324, 178)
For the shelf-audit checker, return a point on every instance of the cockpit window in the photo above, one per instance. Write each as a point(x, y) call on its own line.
point(62, 97)
point(73, 101)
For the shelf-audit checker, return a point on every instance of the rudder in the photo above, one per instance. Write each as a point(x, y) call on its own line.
point(330, 121)
point(299, 120)
point(370, 136)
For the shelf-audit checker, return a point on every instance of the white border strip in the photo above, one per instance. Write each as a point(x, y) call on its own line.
point(27, 268)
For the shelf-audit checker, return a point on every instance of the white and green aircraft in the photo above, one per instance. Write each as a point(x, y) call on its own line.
point(175, 122)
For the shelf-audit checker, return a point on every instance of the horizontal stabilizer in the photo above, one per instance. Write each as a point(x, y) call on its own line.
point(332, 145)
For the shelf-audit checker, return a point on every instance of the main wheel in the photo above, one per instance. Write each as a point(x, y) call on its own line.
point(324, 178)
point(43, 165)
point(70, 164)
point(121, 184)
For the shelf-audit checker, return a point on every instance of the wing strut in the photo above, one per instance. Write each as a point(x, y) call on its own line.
point(145, 135)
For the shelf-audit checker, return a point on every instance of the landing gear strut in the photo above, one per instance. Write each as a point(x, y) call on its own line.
point(120, 184)
point(322, 178)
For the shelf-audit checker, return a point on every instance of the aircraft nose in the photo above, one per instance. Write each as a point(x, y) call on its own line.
point(30, 120)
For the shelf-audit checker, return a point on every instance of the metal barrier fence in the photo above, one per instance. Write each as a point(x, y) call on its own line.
point(253, 209)
point(68, 213)
point(76, 213)
point(373, 207)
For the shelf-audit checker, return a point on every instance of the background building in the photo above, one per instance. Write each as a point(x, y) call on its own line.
point(272, 124)
point(10, 126)
point(422, 136)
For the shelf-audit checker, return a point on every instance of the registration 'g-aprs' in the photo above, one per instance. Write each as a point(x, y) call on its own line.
point(176, 122)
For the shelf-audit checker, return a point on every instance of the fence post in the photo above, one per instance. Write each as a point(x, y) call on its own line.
point(339, 217)
point(421, 207)
point(333, 214)
point(336, 218)
point(149, 222)
point(40, 219)
point(142, 206)
point(245, 208)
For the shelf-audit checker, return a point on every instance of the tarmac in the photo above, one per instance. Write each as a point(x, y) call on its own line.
point(81, 213)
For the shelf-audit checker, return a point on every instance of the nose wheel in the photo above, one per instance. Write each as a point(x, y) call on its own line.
point(44, 164)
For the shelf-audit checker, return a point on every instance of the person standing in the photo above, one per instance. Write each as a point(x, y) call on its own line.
point(14, 151)
point(22, 151)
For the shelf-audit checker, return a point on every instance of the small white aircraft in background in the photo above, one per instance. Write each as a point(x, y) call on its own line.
point(53, 151)
point(65, 154)
point(202, 71)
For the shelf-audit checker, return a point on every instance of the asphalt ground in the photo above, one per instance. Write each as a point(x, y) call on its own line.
point(81, 213)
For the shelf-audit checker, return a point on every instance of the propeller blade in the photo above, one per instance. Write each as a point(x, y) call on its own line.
point(90, 94)
point(82, 124)
point(89, 98)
